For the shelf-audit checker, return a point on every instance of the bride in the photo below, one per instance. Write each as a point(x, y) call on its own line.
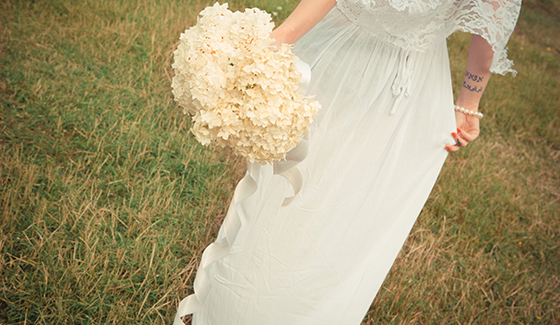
point(380, 70)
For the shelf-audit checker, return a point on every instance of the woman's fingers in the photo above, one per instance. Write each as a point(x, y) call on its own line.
point(460, 141)
point(451, 148)
point(466, 135)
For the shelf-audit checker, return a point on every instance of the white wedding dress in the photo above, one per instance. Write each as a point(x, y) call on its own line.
point(381, 72)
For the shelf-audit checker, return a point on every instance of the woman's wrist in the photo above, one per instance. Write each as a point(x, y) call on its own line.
point(473, 108)
point(283, 35)
point(471, 105)
point(470, 112)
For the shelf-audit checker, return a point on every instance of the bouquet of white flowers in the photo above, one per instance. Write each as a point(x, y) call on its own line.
point(240, 92)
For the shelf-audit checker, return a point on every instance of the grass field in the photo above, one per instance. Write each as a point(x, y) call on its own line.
point(107, 201)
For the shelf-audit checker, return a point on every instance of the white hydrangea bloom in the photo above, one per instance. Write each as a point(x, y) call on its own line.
point(241, 93)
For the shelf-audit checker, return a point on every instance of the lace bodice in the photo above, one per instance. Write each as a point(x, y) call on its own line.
point(417, 24)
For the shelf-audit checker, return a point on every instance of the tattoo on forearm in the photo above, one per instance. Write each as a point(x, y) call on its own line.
point(475, 89)
point(473, 77)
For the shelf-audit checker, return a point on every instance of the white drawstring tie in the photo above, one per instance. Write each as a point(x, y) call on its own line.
point(401, 83)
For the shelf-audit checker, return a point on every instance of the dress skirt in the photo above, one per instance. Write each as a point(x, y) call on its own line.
point(375, 150)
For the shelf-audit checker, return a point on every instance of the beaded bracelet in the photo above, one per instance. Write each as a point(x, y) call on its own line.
point(466, 111)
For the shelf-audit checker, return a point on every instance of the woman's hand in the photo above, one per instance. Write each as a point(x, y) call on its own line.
point(306, 15)
point(279, 39)
point(467, 130)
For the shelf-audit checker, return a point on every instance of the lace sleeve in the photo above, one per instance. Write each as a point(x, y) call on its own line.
point(494, 20)
point(417, 24)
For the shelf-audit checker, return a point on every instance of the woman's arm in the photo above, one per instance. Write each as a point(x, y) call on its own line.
point(474, 82)
point(306, 15)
